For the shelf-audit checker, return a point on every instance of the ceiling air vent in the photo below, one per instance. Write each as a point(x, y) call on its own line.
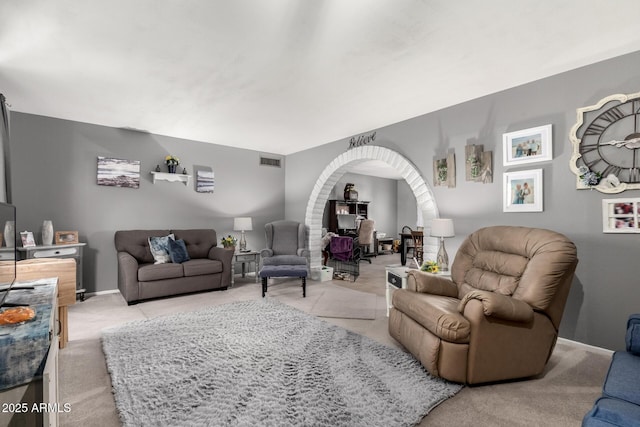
point(269, 161)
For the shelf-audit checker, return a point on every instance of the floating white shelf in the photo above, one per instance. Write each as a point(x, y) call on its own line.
point(171, 177)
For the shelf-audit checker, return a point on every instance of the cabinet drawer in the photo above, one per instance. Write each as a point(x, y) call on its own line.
point(394, 279)
point(53, 253)
point(245, 258)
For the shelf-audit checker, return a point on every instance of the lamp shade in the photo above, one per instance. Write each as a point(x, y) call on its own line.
point(242, 223)
point(442, 227)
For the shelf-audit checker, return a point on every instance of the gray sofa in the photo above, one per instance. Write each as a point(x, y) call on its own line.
point(139, 278)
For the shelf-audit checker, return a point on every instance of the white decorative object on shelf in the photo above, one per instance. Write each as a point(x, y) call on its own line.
point(10, 234)
point(47, 232)
point(171, 177)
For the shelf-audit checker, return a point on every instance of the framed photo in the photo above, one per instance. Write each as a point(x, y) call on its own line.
point(620, 215)
point(27, 239)
point(527, 146)
point(66, 237)
point(522, 191)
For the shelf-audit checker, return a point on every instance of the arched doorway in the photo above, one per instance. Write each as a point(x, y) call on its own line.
point(339, 166)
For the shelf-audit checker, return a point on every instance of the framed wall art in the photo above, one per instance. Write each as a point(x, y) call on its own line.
point(118, 172)
point(620, 215)
point(527, 146)
point(522, 191)
point(444, 171)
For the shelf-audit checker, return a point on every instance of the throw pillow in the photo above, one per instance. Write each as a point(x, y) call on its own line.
point(178, 251)
point(159, 247)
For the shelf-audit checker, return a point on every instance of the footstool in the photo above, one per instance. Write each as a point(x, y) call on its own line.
point(269, 271)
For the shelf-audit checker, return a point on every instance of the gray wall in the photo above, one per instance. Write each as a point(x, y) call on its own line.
point(605, 290)
point(54, 177)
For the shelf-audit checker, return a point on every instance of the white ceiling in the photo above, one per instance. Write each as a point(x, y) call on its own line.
point(281, 76)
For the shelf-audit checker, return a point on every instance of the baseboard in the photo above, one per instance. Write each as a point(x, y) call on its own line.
point(587, 346)
point(110, 291)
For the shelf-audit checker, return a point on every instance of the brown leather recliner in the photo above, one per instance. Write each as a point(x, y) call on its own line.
point(498, 316)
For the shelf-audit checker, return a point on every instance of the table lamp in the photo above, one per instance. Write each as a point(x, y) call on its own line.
point(242, 224)
point(441, 227)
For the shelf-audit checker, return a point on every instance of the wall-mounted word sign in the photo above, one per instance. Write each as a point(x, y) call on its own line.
point(361, 140)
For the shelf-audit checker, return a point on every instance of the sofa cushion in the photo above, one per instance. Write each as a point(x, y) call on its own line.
point(159, 247)
point(612, 412)
point(136, 242)
point(199, 267)
point(197, 241)
point(632, 338)
point(623, 377)
point(151, 272)
point(178, 251)
point(438, 314)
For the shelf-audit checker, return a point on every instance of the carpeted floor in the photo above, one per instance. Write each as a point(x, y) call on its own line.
point(559, 397)
point(263, 362)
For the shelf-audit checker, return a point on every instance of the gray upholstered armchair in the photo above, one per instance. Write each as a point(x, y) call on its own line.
point(286, 244)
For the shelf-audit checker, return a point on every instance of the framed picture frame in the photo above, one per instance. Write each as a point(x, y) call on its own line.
point(527, 146)
point(28, 241)
point(620, 215)
point(66, 237)
point(522, 191)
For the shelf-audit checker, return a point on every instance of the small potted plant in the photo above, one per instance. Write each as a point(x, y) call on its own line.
point(172, 163)
point(429, 267)
point(229, 242)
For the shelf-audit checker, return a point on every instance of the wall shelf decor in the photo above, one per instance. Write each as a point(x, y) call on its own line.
point(606, 144)
point(444, 171)
point(620, 215)
point(171, 177)
point(478, 164)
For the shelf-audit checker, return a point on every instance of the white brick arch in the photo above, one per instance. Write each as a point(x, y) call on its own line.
point(339, 166)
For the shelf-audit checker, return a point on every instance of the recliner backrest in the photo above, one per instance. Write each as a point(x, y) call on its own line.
point(531, 264)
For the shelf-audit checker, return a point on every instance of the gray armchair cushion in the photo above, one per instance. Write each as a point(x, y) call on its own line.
point(285, 260)
point(285, 237)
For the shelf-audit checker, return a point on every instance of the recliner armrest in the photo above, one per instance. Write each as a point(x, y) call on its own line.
point(500, 306)
point(419, 281)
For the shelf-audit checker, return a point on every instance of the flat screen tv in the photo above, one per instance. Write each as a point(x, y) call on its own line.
point(7, 252)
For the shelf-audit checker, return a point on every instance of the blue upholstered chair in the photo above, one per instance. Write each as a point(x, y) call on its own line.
point(286, 244)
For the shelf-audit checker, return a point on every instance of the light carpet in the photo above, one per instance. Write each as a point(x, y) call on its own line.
point(346, 304)
point(262, 363)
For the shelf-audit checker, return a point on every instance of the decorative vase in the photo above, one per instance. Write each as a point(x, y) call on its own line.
point(47, 233)
point(10, 234)
point(230, 248)
point(172, 168)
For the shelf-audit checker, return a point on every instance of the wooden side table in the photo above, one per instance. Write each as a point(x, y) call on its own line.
point(65, 271)
point(243, 258)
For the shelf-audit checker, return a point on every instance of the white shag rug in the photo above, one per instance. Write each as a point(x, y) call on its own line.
point(262, 363)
